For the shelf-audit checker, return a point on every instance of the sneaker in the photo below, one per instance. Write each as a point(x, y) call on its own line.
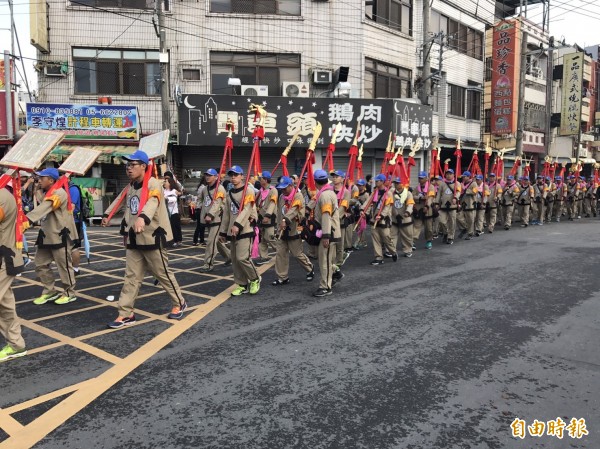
point(65, 300)
point(177, 312)
point(195, 244)
point(205, 269)
point(254, 286)
point(414, 247)
point(491, 231)
point(279, 282)
point(468, 237)
point(337, 276)
point(506, 227)
point(524, 225)
point(478, 233)
point(346, 255)
point(26, 262)
point(311, 275)
point(240, 290)
point(387, 254)
point(462, 233)
point(76, 271)
point(395, 257)
point(322, 292)
point(8, 353)
point(450, 242)
point(261, 261)
point(349, 250)
point(435, 236)
point(407, 254)
point(122, 321)
point(428, 245)
point(227, 263)
point(45, 298)
point(445, 238)
point(377, 262)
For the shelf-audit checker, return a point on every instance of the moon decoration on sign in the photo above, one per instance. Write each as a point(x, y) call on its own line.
point(187, 105)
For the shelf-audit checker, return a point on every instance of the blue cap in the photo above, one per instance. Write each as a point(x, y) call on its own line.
point(524, 178)
point(380, 177)
point(491, 174)
point(439, 177)
point(211, 172)
point(49, 172)
point(320, 175)
point(338, 173)
point(138, 155)
point(582, 178)
point(571, 177)
point(467, 173)
point(479, 177)
point(284, 182)
point(449, 171)
point(423, 174)
point(361, 182)
point(558, 177)
point(266, 174)
point(397, 180)
point(548, 178)
point(510, 177)
point(236, 169)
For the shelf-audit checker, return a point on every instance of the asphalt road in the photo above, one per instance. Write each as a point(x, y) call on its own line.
point(443, 350)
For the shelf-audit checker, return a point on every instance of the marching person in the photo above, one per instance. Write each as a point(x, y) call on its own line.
point(560, 198)
point(380, 214)
point(147, 232)
point(540, 197)
point(267, 216)
point(468, 211)
point(446, 202)
point(199, 232)
point(76, 199)
point(423, 196)
point(436, 180)
point(402, 219)
point(238, 215)
point(580, 195)
point(344, 197)
point(550, 198)
point(589, 201)
point(356, 206)
point(211, 215)
point(572, 197)
point(482, 198)
point(493, 203)
point(172, 197)
point(509, 195)
point(524, 201)
point(290, 212)
point(328, 222)
point(56, 239)
point(11, 264)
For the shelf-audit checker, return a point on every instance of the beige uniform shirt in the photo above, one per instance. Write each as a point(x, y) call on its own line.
point(11, 258)
point(326, 215)
point(292, 212)
point(266, 207)
point(157, 232)
point(469, 195)
point(495, 190)
point(403, 204)
point(446, 193)
point(57, 224)
point(381, 207)
point(213, 209)
point(241, 219)
point(510, 193)
point(343, 207)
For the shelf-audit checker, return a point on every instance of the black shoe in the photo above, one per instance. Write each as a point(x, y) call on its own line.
point(478, 233)
point(227, 263)
point(261, 261)
point(524, 225)
point(468, 237)
point(277, 282)
point(507, 227)
point(77, 272)
point(310, 276)
point(462, 233)
point(349, 250)
point(491, 231)
point(395, 257)
point(407, 254)
point(322, 292)
point(450, 242)
point(377, 262)
point(388, 255)
point(445, 238)
point(337, 275)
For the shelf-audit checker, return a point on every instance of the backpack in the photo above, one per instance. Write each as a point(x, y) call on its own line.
point(86, 203)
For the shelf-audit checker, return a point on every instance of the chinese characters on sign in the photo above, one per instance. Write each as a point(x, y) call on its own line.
point(555, 427)
point(413, 121)
point(202, 120)
point(504, 77)
point(570, 119)
point(85, 122)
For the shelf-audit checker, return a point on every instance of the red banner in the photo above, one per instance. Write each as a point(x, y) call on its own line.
point(506, 52)
point(3, 119)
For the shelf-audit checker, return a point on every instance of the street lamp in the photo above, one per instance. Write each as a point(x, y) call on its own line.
point(234, 82)
point(342, 90)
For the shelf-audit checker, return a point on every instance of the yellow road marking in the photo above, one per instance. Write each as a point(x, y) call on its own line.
point(10, 425)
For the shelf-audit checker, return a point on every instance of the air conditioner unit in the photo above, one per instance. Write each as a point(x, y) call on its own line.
point(295, 89)
point(54, 70)
point(255, 91)
point(322, 76)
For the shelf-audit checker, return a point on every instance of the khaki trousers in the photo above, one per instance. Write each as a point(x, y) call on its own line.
point(507, 214)
point(559, 208)
point(9, 321)
point(326, 259)
point(548, 210)
point(571, 209)
point(62, 258)
point(137, 262)
point(282, 258)
point(448, 222)
point(419, 224)
point(347, 235)
point(466, 220)
point(538, 210)
point(524, 212)
point(267, 238)
point(213, 244)
point(382, 239)
point(244, 270)
point(404, 234)
point(479, 219)
point(492, 218)
point(587, 206)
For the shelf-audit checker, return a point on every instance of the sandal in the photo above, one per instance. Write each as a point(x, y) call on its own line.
point(277, 283)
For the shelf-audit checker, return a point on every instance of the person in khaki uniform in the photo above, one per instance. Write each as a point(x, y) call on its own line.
point(55, 241)
point(11, 264)
point(509, 195)
point(550, 198)
point(589, 200)
point(350, 219)
point(327, 221)
point(239, 230)
point(572, 196)
point(446, 201)
point(290, 211)
point(580, 195)
point(423, 196)
point(344, 197)
point(524, 200)
point(266, 204)
point(491, 209)
point(560, 199)
point(147, 232)
point(540, 197)
point(210, 216)
point(402, 218)
point(357, 204)
point(380, 218)
point(482, 198)
point(466, 217)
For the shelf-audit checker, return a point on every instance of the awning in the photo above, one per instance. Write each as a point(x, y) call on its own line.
point(110, 153)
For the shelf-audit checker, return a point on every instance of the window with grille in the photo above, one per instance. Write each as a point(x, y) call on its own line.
point(386, 81)
point(396, 14)
point(473, 104)
point(129, 4)
point(276, 7)
point(116, 72)
point(461, 38)
point(266, 69)
point(456, 100)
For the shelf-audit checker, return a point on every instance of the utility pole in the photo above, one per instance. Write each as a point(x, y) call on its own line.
point(522, 74)
point(164, 65)
point(549, 92)
point(8, 96)
point(425, 90)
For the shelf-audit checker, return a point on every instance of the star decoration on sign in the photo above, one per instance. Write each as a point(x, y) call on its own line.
point(301, 107)
point(314, 104)
point(290, 102)
point(264, 103)
point(233, 103)
point(322, 112)
point(249, 100)
point(278, 107)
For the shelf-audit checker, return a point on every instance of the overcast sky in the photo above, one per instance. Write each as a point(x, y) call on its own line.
point(575, 20)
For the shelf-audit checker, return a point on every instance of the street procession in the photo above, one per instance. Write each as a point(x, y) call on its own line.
point(248, 217)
